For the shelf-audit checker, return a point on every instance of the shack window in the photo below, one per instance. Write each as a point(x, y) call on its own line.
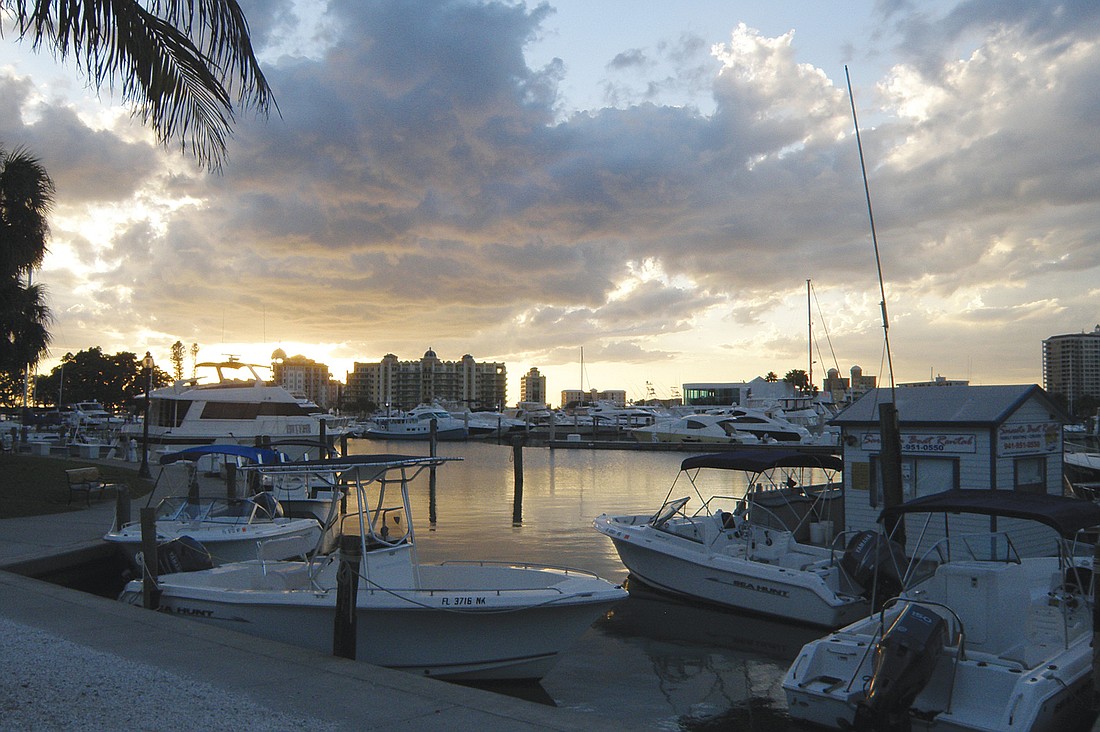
point(1030, 474)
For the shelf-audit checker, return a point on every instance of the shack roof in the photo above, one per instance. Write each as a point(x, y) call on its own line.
point(960, 405)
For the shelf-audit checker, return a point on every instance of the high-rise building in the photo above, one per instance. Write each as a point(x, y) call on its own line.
point(405, 384)
point(1071, 366)
point(303, 377)
point(532, 387)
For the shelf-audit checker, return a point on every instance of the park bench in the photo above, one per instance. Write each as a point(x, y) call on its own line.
point(87, 481)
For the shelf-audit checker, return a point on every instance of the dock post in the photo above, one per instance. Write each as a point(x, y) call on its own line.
point(553, 428)
point(122, 506)
point(347, 590)
point(1095, 627)
point(343, 445)
point(433, 426)
point(517, 469)
point(230, 480)
point(150, 595)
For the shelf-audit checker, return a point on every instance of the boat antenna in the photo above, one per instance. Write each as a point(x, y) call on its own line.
point(874, 238)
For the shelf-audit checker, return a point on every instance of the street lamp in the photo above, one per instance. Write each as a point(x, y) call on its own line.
point(147, 364)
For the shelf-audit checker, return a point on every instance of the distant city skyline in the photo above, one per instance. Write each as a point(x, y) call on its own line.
point(651, 182)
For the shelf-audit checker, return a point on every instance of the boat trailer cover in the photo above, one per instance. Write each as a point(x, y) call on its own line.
point(757, 461)
point(1065, 515)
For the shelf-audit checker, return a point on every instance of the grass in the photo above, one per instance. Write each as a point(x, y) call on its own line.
point(33, 486)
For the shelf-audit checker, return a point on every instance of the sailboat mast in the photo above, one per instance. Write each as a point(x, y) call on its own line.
point(809, 340)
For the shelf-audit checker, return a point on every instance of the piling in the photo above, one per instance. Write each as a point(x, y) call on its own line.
point(1095, 627)
point(230, 480)
point(150, 595)
point(122, 506)
point(347, 591)
point(517, 470)
point(433, 426)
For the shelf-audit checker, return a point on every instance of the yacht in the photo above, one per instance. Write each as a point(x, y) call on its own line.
point(238, 407)
point(980, 638)
point(696, 428)
point(416, 424)
point(473, 620)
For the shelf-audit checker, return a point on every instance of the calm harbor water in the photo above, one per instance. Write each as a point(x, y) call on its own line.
point(655, 663)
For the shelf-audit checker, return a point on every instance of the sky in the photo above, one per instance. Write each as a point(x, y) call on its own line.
point(649, 184)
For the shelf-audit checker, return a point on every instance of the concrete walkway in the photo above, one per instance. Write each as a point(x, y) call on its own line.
point(72, 660)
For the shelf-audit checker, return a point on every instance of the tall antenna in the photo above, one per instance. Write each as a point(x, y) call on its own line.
point(874, 238)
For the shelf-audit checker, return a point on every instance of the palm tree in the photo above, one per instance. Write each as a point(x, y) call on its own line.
point(176, 61)
point(26, 197)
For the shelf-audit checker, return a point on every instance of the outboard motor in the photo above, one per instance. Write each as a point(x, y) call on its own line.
point(868, 554)
point(904, 661)
point(268, 502)
point(182, 555)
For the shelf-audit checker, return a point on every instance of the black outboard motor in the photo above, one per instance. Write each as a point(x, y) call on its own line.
point(268, 502)
point(904, 661)
point(868, 554)
point(182, 555)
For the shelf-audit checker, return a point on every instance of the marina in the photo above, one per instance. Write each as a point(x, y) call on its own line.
point(653, 662)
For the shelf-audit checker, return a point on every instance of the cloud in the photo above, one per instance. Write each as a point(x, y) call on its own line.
point(421, 188)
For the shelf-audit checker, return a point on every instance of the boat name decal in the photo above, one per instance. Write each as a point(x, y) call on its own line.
point(760, 588)
point(191, 611)
point(462, 600)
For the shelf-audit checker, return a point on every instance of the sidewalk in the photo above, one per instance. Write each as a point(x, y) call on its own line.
point(73, 660)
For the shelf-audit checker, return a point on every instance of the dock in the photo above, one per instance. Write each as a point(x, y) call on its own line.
point(74, 660)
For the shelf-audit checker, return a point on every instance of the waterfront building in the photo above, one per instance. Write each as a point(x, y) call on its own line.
point(532, 387)
point(617, 397)
point(1071, 366)
point(989, 438)
point(304, 377)
point(395, 384)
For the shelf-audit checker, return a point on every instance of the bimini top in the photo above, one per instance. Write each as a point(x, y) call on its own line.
point(348, 463)
point(758, 461)
point(255, 454)
point(1065, 515)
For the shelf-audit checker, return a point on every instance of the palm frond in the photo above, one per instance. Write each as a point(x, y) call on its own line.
point(173, 61)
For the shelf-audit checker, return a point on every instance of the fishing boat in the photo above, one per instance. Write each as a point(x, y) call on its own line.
point(456, 620)
point(750, 552)
point(981, 638)
point(231, 529)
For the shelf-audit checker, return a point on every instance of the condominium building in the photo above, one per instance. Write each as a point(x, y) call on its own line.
point(616, 397)
point(532, 387)
point(304, 377)
point(405, 384)
point(1071, 366)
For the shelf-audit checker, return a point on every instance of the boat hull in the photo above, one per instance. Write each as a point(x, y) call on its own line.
point(447, 435)
point(295, 537)
point(479, 625)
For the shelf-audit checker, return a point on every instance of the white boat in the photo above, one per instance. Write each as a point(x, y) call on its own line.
point(457, 620)
point(980, 639)
point(695, 428)
point(744, 552)
point(487, 424)
point(231, 529)
point(229, 411)
point(766, 426)
point(416, 424)
point(92, 415)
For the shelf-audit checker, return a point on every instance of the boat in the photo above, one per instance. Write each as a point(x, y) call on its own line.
point(488, 424)
point(695, 428)
point(230, 528)
point(416, 424)
point(981, 638)
point(746, 553)
point(238, 408)
point(766, 426)
point(456, 620)
point(91, 415)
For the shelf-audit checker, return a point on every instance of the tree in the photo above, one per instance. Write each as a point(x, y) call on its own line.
point(771, 377)
point(91, 375)
point(799, 379)
point(176, 61)
point(177, 359)
point(194, 359)
point(26, 198)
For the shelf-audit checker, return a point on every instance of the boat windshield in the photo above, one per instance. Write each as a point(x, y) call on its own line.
point(220, 510)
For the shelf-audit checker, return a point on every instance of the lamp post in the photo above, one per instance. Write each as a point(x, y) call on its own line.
point(147, 364)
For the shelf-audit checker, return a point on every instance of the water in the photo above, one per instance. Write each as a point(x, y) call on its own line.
point(654, 663)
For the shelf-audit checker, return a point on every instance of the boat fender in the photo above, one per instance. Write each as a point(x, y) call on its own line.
point(903, 664)
point(767, 538)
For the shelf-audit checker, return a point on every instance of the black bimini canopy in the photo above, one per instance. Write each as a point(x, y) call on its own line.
point(757, 461)
point(1065, 515)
